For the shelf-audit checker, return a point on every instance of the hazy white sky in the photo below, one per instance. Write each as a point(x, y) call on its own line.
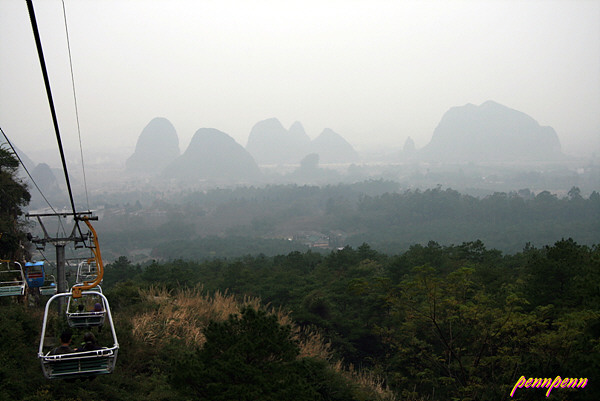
point(374, 71)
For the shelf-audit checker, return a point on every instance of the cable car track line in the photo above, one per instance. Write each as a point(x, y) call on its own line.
point(75, 102)
point(28, 174)
point(38, 44)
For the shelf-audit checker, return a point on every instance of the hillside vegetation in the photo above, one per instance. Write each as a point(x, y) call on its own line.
point(185, 344)
point(432, 323)
point(279, 219)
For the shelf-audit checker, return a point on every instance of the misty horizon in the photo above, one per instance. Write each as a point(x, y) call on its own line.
point(374, 72)
point(120, 153)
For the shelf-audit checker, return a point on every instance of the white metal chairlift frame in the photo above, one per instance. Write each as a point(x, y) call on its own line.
point(13, 287)
point(77, 290)
point(86, 318)
point(78, 364)
point(89, 275)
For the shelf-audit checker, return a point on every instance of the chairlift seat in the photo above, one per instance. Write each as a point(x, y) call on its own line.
point(79, 364)
point(48, 289)
point(13, 283)
point(11, 289)
point(86, 271)
point(86, 319)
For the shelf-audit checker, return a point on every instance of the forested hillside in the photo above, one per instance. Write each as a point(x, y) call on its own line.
point(280, 219)
point(436, 322)
point(244, 313)
point(432, 323)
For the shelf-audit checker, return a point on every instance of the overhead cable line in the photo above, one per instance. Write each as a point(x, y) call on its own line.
point(45, 259)
point(26, 170)
point(76, 108)
point(38, 44)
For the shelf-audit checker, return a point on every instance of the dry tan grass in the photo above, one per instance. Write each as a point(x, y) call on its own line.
point(183, 314)
point(366, 380)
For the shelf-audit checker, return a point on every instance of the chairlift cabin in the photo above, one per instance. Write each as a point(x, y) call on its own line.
point(79, 363)
point(87, 311)
point(35, 274)
point(36, 277)
point(12, 279)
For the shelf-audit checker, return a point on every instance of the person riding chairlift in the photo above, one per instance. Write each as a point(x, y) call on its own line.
point(65, 344)
point(89, 343)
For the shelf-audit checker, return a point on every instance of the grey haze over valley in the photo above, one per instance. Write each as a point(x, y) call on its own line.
point(176, 99)
point(467, 134)
point(283, 186)
point(474, 148)
point(374, 72)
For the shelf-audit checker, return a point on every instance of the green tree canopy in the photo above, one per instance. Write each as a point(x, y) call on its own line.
point(253, 357)
point(13, 196)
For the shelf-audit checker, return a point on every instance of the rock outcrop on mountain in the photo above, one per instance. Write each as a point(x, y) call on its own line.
point(332, 148)
point(213, 155)
point(490, 132)
point(46, 181)
point(270, 143)
point(409, 147)
point(299, 141)
point(157, 146)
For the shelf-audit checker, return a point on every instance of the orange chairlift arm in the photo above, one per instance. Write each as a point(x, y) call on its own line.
point(78, 288)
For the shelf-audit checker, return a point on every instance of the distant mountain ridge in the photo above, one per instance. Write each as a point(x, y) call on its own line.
point(490, 132)
point(213, 155)
point(270, 143)
point(332, 148)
